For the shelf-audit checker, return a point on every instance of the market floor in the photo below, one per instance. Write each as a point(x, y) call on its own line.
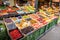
point(54, 34)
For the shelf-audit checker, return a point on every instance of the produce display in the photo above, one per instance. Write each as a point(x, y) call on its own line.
point(26, 9)
point(12, 29)
point(46, 12)
point(14, 10)
point(19, 26)
point(29, 8)
point(35, 16)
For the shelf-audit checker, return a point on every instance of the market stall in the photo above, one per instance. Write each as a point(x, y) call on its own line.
point(23, 22)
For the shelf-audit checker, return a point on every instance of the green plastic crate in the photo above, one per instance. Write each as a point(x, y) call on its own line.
point(50, 25)
point(31, 37)
point(42, 30)
point(53, 22)
point(36, 33)
point(56, 20)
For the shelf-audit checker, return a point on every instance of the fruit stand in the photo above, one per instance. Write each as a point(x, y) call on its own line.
point(39, 32)
point(26, 22)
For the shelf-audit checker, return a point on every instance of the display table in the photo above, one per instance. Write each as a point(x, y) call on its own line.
point(37, 33)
